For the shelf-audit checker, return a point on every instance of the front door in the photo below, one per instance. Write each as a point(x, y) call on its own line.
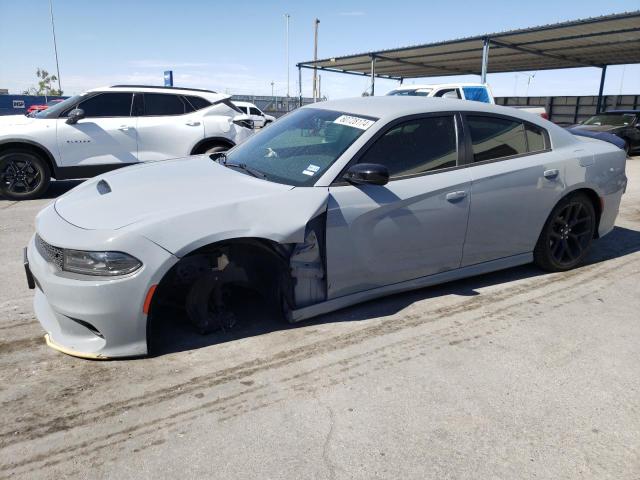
point(106, 136)
point(409, 228)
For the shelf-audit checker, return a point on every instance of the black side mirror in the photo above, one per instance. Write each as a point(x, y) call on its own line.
point(75, 115)
point(367, 173)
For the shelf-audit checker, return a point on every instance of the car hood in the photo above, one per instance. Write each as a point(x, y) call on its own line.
point(159, 190)
point(184, 204)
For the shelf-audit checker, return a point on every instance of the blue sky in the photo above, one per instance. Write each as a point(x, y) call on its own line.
point(239, 46)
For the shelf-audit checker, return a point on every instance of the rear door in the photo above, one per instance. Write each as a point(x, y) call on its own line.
point(411, 227)
point(516, 181)
point(168, 126)
point(106, 136)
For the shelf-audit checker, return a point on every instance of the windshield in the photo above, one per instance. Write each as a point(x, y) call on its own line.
point(54, 110)
point(300, 147)
point(613, 119)
point(417, 92)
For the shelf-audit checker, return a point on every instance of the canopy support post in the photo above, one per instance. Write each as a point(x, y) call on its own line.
point(485, 60)
point(602, 77)
point(299, 86)
point(373, 75)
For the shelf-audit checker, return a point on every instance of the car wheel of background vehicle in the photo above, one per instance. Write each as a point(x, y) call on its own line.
point(23, 175)
point(627, 148)
point(567, 235)
point(216, 149)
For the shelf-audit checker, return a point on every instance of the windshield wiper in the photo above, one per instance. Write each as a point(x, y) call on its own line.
point(221, 158)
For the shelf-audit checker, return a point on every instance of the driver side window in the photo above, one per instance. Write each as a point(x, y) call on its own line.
point(416, 146)
point(113, 104)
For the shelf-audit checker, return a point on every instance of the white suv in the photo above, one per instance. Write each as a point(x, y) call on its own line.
point(112, 127)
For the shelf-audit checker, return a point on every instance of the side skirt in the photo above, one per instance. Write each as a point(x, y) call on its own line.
point(359, 297)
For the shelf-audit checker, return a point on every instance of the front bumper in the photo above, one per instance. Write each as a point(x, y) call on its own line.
point(94, 317)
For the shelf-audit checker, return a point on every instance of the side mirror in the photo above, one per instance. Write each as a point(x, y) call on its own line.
point(367, 173)
point(75, 115)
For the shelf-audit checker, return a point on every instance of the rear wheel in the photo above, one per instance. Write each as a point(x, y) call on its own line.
point(23, 175)
point(567, 235)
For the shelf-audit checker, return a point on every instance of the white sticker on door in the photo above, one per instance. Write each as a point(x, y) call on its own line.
point(355, 122)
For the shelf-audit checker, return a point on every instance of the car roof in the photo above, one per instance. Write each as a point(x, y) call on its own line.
point(208, 94)
point(622, 111)
point(390, 107)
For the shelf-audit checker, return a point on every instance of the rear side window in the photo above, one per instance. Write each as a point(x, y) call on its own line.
point(494, 137)
point(254, 111)
point(158, 104)
point(416, 146)
point(198, 103)
point(449, 92)
point(115, 104)
point(535, 138)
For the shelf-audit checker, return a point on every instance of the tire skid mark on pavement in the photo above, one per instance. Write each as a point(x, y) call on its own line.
point(383, 357)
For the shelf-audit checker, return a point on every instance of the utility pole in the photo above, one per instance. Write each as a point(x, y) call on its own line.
point(316, 22)
point(55, 46)
point(272, 83)
point(287, 16)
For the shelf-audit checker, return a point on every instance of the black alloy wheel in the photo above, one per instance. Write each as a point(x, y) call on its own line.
point(567, 235)
point(23, 175)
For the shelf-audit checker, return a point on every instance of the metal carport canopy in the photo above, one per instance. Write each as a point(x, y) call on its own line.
point(591, 42)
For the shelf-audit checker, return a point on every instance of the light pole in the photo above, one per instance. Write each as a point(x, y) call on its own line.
point(55, 46)
point(286, 17)
point(272, 83)
point(316, 22)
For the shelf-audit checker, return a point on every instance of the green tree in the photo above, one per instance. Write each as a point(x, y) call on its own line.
point(44, 84)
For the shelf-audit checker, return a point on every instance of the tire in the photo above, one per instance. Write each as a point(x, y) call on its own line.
point(23, 175)
point(627, 148)
point(567, 234)
point(216, 149)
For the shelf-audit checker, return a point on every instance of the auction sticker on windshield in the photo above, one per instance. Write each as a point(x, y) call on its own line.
point(356, 122)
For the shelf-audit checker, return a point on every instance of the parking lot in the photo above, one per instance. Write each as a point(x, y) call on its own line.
point(516, 374)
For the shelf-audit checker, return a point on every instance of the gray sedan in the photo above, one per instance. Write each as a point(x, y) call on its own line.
point(336, 203)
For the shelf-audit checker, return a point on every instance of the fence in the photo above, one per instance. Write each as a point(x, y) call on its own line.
point(18, 104)
point(569, 110)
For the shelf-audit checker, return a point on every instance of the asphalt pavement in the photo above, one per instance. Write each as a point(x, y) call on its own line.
point(518, 374)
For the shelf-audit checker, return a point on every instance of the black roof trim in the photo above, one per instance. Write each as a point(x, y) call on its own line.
point(163, 88)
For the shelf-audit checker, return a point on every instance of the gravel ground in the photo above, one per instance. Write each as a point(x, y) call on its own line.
point(516, 374)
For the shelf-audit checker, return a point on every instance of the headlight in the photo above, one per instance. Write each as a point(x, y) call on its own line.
point(99, 263)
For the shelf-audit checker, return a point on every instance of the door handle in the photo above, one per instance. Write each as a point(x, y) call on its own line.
point(192, 123)
point(124, 128)
point(455, 196)
point(551, 174)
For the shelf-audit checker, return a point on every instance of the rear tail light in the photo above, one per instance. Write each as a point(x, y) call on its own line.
point(244, 123)
point(545, 115)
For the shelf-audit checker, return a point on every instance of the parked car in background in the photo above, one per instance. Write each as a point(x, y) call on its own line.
point(113, 127)
point(336, 203)
point(462, 91)
point(260, 119)
point(621, 123)
point(33, 109)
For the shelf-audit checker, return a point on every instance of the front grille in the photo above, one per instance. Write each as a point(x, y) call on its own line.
point(49, 252)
